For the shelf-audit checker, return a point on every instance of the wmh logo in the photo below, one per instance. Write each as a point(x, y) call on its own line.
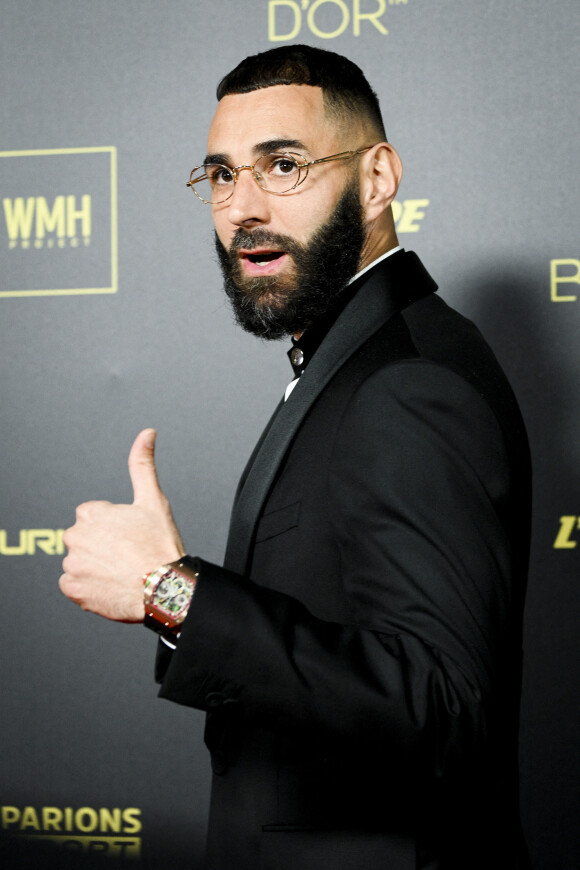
point(58, 221)
point(66, 221)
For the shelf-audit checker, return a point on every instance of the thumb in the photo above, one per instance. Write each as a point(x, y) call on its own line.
point(142, 468)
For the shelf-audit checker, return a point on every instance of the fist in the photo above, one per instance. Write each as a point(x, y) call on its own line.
point(111, 546)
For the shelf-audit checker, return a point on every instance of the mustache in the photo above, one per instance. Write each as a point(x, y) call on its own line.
point(248, 240)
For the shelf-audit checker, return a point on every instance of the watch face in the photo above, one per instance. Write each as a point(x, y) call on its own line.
point(172, 594)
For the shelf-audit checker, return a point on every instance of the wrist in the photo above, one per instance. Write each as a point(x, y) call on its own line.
point(168, 592)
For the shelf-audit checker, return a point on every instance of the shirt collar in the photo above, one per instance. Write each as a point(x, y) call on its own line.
point(376, 262)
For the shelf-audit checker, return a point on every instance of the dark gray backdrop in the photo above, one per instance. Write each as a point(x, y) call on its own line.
point(481, 98)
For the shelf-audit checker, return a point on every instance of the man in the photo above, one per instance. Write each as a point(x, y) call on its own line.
point(359, 651)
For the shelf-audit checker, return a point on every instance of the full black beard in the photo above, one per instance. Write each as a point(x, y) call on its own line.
point(272, 307)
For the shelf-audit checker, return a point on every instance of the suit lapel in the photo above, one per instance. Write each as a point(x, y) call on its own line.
point(383, 291)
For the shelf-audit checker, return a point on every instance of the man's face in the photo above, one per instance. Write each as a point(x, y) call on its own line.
point(285, 258)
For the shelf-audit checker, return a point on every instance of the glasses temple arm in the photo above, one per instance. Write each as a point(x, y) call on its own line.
point(344, 155)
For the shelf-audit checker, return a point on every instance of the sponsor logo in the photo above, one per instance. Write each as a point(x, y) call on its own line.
point(84, 830)
point(48, 541)
point(565, 537)
point(59, 210)
point(55, 225)
point(408, 213)
point(327, 19)
point(564, 272)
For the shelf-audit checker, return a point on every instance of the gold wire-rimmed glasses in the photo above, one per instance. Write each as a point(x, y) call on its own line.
point(280, 173)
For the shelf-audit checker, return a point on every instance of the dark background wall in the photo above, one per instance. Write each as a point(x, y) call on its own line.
point(112, 319)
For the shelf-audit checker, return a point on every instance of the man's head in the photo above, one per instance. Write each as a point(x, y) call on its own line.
point(287, 257)
point(347, 96)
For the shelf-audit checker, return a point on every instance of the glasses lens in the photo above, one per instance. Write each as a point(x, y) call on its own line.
point(279, 173)
point(212, 182)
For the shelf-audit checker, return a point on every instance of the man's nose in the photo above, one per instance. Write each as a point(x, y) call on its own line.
point(249, 204)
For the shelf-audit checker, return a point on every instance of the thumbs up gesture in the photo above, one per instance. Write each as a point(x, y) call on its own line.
point(111, 546)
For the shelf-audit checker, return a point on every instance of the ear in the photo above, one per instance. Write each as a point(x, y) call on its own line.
point(381, 172)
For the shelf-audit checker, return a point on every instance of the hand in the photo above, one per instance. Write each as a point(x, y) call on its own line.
point(111, 546)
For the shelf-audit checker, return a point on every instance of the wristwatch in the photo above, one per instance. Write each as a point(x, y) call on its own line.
point(168, 593)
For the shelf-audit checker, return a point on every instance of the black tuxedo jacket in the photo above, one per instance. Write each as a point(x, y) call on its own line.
point(359, 653)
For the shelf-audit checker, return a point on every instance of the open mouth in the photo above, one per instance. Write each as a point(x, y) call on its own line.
point(262, 262)
point(263, 257)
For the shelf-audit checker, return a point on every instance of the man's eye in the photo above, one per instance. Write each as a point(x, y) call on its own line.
point(219, 175)
point(282, 166)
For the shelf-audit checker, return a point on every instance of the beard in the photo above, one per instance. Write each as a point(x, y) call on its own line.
point(272, 306)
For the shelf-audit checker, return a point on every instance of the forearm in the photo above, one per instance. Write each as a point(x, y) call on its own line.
point(299, 673)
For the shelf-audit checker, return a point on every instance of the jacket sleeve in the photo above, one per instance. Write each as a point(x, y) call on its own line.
point(419, 495)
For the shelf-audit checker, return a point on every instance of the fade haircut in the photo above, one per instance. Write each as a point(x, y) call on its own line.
point(345, 90)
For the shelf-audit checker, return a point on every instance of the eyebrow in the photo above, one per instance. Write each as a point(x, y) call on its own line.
point(258, 150)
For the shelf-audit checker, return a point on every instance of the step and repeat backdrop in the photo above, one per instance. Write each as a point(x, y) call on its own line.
point(112, 318)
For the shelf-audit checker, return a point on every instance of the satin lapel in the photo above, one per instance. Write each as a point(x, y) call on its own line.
point(381, 295)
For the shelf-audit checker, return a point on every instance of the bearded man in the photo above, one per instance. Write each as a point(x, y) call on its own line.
point(358, 654)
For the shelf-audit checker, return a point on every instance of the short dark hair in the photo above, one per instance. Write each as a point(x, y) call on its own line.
point(345, 90)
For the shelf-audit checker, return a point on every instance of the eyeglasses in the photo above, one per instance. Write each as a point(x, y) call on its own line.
point(280, 174)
